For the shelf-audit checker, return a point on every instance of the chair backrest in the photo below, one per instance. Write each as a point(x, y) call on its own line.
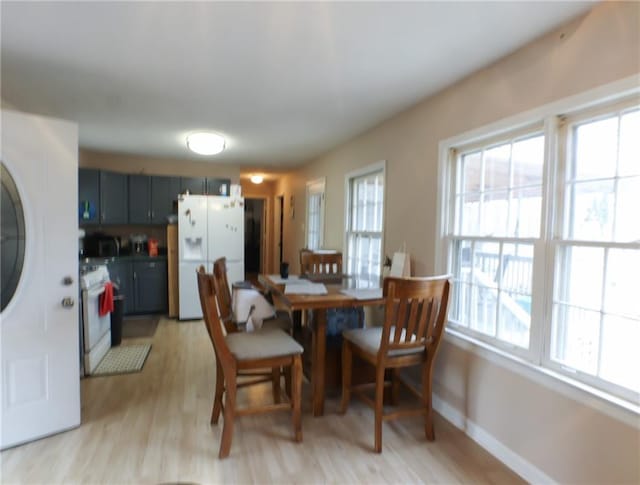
point(319, 264)
point(416, 312)
point(223, 294)
point(207, 293)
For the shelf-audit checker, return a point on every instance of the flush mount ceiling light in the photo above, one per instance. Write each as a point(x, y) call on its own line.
point(257, 179)
point(205, 143)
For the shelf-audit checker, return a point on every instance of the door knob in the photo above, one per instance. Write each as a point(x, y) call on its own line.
point(67, 302)
point(67, 281)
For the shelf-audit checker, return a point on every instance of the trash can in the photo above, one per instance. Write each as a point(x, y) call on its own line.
point(116, 317)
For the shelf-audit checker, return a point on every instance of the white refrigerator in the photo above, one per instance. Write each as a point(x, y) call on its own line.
point(209, 227)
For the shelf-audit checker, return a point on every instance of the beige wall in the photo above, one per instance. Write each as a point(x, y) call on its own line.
point(157, 166)
point(563, 438)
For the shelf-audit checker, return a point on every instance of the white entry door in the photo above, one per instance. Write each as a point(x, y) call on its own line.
point(39, 378)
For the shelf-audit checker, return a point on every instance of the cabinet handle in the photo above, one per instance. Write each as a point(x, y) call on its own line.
point(152, 214)
point(149, 214)
point(134, 275)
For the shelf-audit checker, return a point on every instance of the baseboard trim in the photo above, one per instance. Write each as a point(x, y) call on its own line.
point(511, 459)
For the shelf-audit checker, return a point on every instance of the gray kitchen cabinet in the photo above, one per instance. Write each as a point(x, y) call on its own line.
point(164, 192)
point(139, 199)
point(150, 286)
point(89, 196)
point(151, 198)
point(216, 186)
point(195, 185)
point(120, 273)
point(113, 198)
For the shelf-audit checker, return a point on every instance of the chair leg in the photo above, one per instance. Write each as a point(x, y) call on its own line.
point(347, 362)
point(217, 399)
point(275, 384)
point(229, 415)
point(296, 397)
point(426, 397)
point(379, 408)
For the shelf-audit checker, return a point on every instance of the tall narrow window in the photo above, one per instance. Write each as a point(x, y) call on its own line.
point(365, 224)
point(596, 303)
point(315, 214)
point(498, 206)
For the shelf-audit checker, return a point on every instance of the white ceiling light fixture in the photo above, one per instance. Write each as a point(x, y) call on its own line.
point(205, 143)
point(257, 179)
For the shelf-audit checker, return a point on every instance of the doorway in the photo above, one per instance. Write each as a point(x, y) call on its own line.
point(254, 225)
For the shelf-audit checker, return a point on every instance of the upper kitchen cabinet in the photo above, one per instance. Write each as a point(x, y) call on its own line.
point(151, 198)
point(113, 198)
point(164, 192)
point(195, 185)
point(89, 196)
point(139, 199)
point(217, 186)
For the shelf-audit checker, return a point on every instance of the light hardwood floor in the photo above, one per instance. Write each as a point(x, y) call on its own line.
point(153, 427)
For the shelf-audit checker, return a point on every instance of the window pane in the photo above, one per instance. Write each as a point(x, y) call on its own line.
point(591, 215)
point(528, 161)
point(486, 262)
point(575, 338)
point(462, 261)
point(620, 359)
point(622, 291)
point(484, 306)
point(596, 149)
point(493, 213)
point(471, 171)
point(497, 167)
point(629, 157)
point(517, 268)
point(461, 304)
point(627, 207)
point(525, 212)
point(470, 214)
point(514, 318)
point(580, 278)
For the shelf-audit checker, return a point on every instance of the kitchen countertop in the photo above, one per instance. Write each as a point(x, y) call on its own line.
point(129, 257)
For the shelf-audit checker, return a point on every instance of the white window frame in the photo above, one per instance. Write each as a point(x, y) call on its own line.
point(315, 187)
point(536, 363)
point(370, 169)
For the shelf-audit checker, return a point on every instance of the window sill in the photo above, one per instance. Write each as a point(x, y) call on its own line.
point(613, 406)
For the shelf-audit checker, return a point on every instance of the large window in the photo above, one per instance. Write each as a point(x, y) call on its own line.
point(365, 213)
point(542, 232)
point(315, 214)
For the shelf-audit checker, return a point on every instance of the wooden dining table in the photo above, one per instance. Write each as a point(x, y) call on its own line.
point(318, 304)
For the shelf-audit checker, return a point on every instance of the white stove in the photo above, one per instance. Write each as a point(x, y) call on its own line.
point(95, 329)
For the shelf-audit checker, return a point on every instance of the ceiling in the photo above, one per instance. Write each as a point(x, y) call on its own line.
point(283, 82)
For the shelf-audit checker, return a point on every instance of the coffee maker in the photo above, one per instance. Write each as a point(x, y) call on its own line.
point(138, 243)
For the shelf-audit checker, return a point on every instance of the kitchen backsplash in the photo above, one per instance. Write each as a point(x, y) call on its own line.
point(125, 231)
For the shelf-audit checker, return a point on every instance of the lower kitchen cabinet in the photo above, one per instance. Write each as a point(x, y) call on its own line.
point(121, 275)
point(150, 286)
point(143, 284)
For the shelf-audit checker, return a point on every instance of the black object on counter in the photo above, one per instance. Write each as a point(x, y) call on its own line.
point(116, 317)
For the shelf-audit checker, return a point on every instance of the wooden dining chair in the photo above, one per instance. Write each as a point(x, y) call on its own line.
point(320, 264)
point(241, 354)
point(281, 319)
point(415, 316)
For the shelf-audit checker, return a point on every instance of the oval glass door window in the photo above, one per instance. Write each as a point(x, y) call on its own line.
point(12, 237)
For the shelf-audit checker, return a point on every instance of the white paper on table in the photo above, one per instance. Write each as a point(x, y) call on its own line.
point(307, 288)
point(291, 280)
point(400, 265)
point(363, 293)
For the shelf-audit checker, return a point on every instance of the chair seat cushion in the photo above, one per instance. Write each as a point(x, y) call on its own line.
point(262, 344)
point(369, 339)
